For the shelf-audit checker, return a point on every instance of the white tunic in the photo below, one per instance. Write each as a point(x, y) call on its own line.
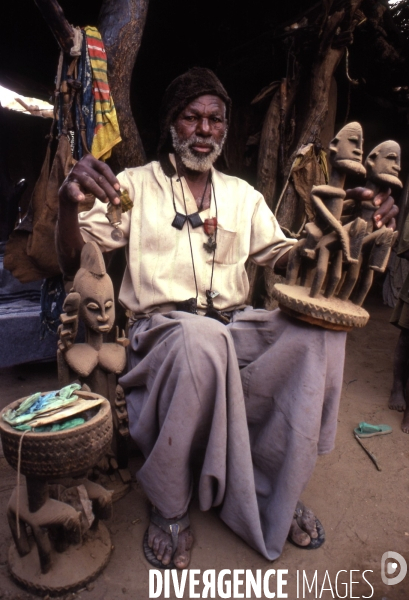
point(160, 261)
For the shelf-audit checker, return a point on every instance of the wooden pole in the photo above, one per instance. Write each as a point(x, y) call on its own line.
point(54, 16)
point(267, 163)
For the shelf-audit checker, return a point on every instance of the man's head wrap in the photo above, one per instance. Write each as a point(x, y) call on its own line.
point(180, 92)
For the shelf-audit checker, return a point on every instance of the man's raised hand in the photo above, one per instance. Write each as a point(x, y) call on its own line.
point(90, 176)
point(387, 211)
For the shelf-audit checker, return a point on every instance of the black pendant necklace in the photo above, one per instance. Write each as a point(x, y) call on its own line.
point(210, 226)
point(194, 218)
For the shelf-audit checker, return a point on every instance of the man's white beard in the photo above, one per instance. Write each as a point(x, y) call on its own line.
point(193, 160)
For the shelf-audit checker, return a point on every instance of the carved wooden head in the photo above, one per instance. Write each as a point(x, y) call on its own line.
point(95, 288)
point(383, 164)
point(346, 150)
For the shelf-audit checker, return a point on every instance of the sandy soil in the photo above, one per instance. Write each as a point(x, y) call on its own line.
point(364, 511)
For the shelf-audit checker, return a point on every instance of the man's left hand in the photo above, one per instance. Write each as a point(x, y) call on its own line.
point(387, 211)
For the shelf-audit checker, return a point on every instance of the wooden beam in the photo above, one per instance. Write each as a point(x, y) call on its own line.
point(55, 19)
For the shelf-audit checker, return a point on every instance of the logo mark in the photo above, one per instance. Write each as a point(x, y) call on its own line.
point(391, 567)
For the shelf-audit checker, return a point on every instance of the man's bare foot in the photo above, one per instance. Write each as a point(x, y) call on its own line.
point(405, 421)
point(161, 544)
point(303, 526)
point(397, 400)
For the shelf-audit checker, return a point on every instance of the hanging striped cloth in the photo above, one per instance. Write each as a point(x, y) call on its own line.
point(107, 132)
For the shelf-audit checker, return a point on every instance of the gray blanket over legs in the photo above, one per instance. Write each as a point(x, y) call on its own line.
point(256, 401)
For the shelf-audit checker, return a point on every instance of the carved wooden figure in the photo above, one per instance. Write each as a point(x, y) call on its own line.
point(327, 239)
point(96, 363)
point(59, 542)
point(92, 300)
point(382, 168)
point(329, 258)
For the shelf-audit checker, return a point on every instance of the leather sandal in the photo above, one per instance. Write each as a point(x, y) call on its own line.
point(173, 527)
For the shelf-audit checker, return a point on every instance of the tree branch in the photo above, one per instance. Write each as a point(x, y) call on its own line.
point(54, 16)
point(121, 24)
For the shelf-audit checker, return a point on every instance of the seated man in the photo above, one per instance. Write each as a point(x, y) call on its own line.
point(250, 396)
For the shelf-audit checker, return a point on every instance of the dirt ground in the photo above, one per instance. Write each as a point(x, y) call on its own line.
point(364, 511)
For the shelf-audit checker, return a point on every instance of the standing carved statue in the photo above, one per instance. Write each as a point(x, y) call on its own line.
point(339, 253)
point(319, 257)
point(382, 170)
point(92, 300)
point(95, 363)
point(326, 236)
